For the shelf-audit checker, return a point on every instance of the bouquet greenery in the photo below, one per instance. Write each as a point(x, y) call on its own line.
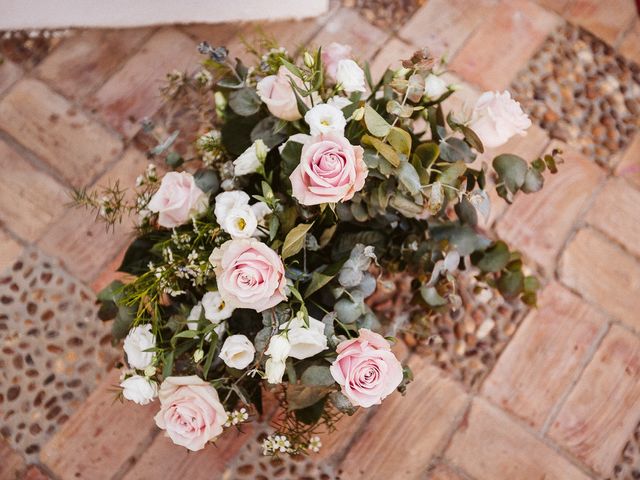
point(255, 255)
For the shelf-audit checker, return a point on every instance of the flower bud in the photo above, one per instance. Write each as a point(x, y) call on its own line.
point(308, 60)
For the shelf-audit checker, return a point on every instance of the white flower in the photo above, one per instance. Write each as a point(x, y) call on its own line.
point(338, 102)
point(497, 117)
point(251, 159)
point(325, 118)
point(215, 308)
point(139, 389)
point(240, 222)
point(305, 341)
point(196, 313)
point(315, 444)
point(279, 348)
point(237, 352)
point(137, 341)
point(226, 201)
point(434, 86)
point(350, 76)
point(274, 370)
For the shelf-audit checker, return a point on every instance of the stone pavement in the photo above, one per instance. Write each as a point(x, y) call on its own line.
point(562, 400)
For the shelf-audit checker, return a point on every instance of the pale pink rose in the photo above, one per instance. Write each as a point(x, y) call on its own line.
point(276, 92)
point(366, 369)
point(177, 200)
point(331, 56)
point(330, 170)
point(190, 411)
point(249, 274)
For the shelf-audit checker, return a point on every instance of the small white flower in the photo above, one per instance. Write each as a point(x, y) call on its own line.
point(237, 352)
point(251, 159)
point(137, 341)
point(306, 341)
point(241, 222)
point(226, 201)
point(315, 444)
point(350, 76)
point(434, 86)
point(215, 308)
point(274, 370)
point(325, 118)
point(139, 389)
point(339, 102)
point(279, 348)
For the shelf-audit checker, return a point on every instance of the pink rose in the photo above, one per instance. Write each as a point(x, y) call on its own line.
point(331, 170)
point(331, 56)
point(190, 411)
point(366, 369)
point(177, 200)
point(249, 274)
point(276, 92)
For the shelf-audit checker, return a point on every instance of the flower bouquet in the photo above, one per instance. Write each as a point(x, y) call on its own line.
point(256, 253)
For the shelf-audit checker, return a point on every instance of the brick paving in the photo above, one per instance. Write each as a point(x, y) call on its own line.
point(563, 399)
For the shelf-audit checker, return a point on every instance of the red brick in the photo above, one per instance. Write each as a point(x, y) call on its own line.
point(545, 356)
point(405, 432)
point(444, 25)
point(490, 446)
point(608, 20)
point(603, 410)
point(445, 472)
point(615, 211)
point(34, 473)
point(84, 61)
point(503, 43)
point(629, 166)
point(540, 223)
point(601, 272)
point(68, 140)
point(102, 438)
point(630, 46)
point(9, 250)
point(12, 464)
point(29, 198)
point(133, 93)
point(163, 459)
point(291, 34)
point(350, 28)
point(9, 74)
point(558, 6)
point(84, 244)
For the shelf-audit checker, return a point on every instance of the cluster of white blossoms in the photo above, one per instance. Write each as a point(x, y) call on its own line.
point(276, 444)
point(236, 217)
point(236, 417)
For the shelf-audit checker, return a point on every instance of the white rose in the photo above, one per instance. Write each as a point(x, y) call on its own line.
point(324, 118)
point(139, 389)
point(279, 348)
point(237, 352)
point(177, 200)
point(338, 102)
point(350, 76)
point(251, 159)
point(226, 201)
point(497, 117)
point(305, 341)
point(274, 370)
point(215, 308)
point(240, 222)
point(137, 341)
point(434, 86)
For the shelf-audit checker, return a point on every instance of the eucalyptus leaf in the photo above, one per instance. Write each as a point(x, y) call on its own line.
point(384, 149)
point(533, 181)
point(455, 150)
point(409, 178)
point(302, 396)
point(317, 375)
point(207, 180)
point(511, 170)
point(495, 258)
point(400, 140)
point(245, 101)
point(376, 124)
point(342, 403)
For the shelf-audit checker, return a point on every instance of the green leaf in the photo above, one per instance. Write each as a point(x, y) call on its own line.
point(472, 138)
point(400, 140)
point(317, 375)
point(320, 278)
point(167, 369)
point(511, 170)
point(342, 403)
point(236, 133)
point(450, 176)
point(207, 180)
point(186, 334)
point(327, 235)
point(311, 414)
point(409, 178)
point(463, 237)
point(267, 131)
point(302, 396)
point(290, 157)
point(245, 102)
point(375, 123)
point(292, 68)
point(426, 153)
point(531, 284)
point(137, 256)
point(456, 150)
point(302, 107)
point(294, 240)
point(511, 284)
point(384, 149)
point(533, 181)
point(466, 212)
point(495, 258)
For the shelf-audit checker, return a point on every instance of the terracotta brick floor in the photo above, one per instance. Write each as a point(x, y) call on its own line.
point(563, 399)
